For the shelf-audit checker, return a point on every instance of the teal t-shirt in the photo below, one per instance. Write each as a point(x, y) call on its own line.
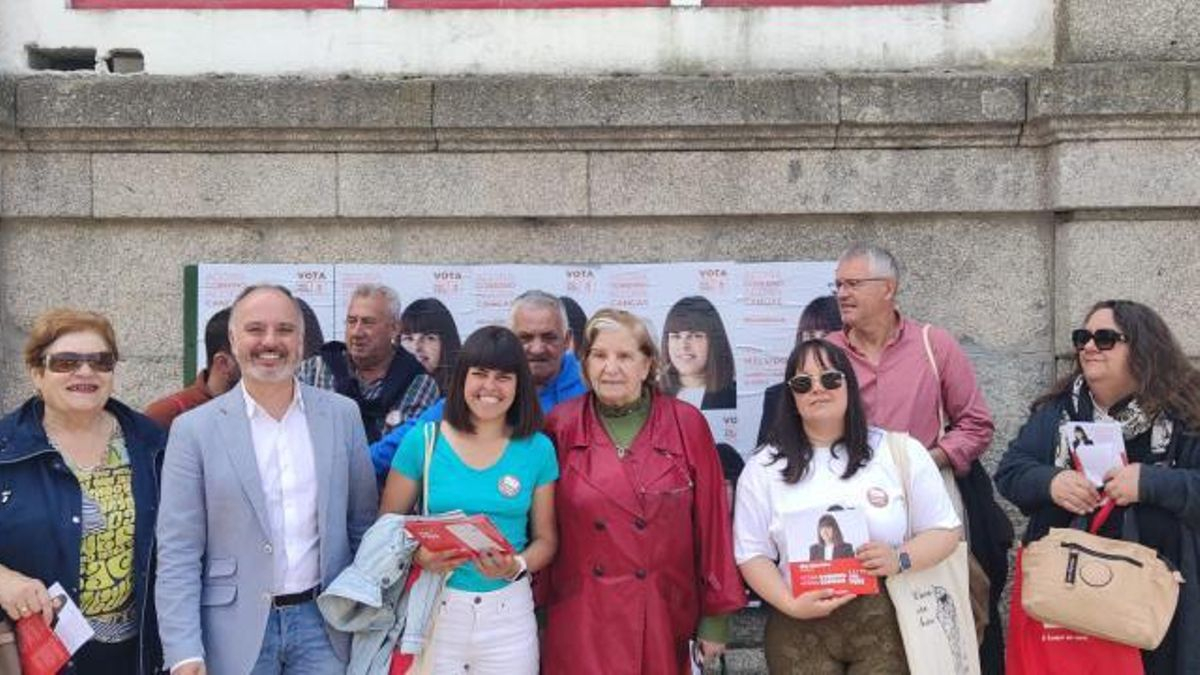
point(502, 492)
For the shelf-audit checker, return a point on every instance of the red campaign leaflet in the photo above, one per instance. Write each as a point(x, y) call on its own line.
point(45, 649)
point(821, 545)
point(42, 653)
point(455, 531)
point(845, 575)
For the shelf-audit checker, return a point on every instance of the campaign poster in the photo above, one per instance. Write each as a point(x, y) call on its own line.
point(769, 300)
point(821, 545)
point(218, 285)
point(690, 308)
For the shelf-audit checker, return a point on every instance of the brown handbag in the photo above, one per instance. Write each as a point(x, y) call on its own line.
point(10, 658)
point(1108, 588)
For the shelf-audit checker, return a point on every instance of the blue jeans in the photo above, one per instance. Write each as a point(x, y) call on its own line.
point(295, 643)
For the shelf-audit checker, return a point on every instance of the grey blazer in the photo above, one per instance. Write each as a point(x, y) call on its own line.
point(213, 591)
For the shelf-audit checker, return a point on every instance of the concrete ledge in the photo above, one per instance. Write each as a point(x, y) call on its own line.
point(214, 185)
point(517, 184)
point(634, 102)
point(1120, 30)
point(148, 102)
point(925, 99)
point(8, 105)
point(1125, 174)
point(46, 185)
point(1109, 89)
point(845, 181)
point(512, 114)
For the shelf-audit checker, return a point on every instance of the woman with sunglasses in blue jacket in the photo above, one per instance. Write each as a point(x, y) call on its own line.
point(78, 493)
point(1128, 370)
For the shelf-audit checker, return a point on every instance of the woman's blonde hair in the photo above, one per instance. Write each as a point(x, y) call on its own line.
point(611, 319)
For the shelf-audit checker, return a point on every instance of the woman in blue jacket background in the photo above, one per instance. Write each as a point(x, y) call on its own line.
point(1129, 369)
point(78, 493)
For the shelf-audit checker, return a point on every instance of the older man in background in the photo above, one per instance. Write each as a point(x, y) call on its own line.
point(389, 385)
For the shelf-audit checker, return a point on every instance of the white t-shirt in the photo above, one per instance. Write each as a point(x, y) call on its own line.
point(875, 490)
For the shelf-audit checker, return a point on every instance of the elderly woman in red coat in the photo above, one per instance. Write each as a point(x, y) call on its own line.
point(645, 559)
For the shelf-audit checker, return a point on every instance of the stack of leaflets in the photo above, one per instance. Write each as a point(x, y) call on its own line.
point(821, 545)
point(1094, 447)
point(455, 531)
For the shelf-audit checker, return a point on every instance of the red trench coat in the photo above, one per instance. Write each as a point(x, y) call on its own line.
point(643, 552)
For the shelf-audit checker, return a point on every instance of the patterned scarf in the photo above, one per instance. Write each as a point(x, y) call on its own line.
point(1133, 419)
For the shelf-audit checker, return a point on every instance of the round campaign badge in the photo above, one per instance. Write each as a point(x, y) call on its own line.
point(392, 419)
point(877, 497)
point(509, 486)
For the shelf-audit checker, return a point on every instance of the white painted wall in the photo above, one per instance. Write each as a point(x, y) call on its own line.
point(675, 40)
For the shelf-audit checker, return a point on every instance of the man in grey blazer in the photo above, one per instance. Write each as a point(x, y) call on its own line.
point(267, 491)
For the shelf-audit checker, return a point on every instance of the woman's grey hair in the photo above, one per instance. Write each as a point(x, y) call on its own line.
point(882, 262)
point(389, 295)
point(542, 300)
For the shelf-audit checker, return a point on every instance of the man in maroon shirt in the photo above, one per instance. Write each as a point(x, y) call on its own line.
point(219, 377)
point(914, 377)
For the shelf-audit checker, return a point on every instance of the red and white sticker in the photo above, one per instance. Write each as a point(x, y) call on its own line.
point(509, 486)
point(877, 497)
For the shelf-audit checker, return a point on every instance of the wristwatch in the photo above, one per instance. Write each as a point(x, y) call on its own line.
point(904, 559)
point(522, 568)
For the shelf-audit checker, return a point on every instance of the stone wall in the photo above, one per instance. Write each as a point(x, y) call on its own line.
point(1013, 200)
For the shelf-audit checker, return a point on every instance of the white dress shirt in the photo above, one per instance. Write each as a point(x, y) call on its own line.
point(284, 452)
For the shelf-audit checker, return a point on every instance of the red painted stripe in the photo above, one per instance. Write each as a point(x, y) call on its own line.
point(212, 4)
point(827, 3)
point(521, 4)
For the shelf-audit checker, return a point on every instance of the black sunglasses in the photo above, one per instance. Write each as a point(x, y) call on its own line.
point(69, 362)
point(1105, 338)
point(830, 380)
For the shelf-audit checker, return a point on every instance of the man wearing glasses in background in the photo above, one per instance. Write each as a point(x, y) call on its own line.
point(915, 378)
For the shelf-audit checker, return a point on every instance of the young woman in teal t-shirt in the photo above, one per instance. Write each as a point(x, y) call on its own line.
point(489, 458)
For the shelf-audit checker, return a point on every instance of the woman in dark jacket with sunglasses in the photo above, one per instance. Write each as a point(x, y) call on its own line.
point(78, 492)
point(1129, 369)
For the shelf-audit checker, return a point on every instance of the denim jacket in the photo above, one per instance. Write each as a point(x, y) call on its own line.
point(368, 600)
point(40, 516)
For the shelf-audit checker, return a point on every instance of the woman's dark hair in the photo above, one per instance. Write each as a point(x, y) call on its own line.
point(313, 336)
point(821, 315)
point(429, 315)
point(827, 520)
point(494, 348)
point(576, 320)
point(1166, 380)
point(697, 314)
point(787, 435)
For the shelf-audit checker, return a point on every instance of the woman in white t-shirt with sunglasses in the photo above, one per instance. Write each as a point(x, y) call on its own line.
point(821, 453)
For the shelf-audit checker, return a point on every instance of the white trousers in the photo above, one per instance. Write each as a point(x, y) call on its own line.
point(486, 633)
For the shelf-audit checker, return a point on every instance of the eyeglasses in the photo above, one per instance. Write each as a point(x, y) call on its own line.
point(69, 362)
point(830, 380)
point(852, 284)
point(1105, 338)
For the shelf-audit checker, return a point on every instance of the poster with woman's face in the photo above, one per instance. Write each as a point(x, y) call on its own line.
point(219, 285)
point(689, 308)
point(724, 329)
point(770, 300)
